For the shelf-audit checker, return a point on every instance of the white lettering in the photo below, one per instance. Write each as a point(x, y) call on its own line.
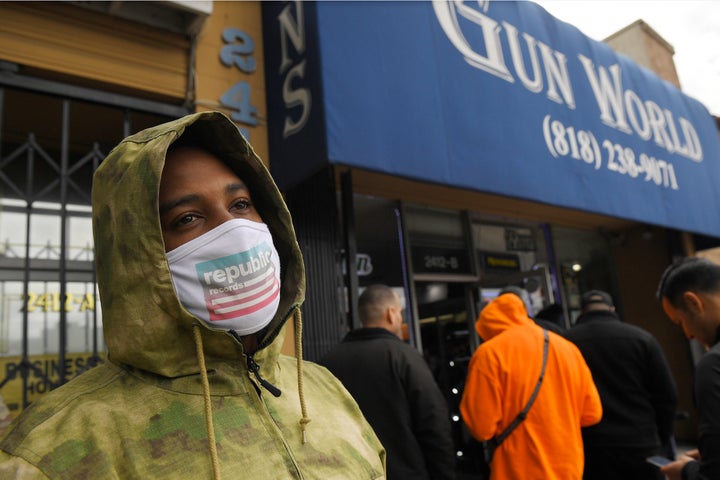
point(657, 122)
point(296, 98)
point(647, 118)
point(536, 84)
point(232, 272)
point(293, 31)
point(608, 95)
point(621, 109)
point(672, 130)
point(556, 71)
point(694, 147)
point(492, 60)
point(634, 108)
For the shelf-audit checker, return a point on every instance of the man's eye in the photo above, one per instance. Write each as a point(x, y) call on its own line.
point(185, 219)
point(242, 205)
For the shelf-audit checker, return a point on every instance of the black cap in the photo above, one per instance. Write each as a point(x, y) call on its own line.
point(596, 296)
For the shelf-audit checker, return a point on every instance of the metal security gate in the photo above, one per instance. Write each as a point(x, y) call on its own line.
point(52, 138)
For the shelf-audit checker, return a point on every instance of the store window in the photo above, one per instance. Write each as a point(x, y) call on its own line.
point(43, 304)
point(380, 255)
point(50, 315)
point(379, 250)
point(514, 255)
point(438, 243)
point(585, 262)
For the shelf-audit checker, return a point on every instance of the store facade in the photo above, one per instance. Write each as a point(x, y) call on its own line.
point(468, 147)
point(444, 149)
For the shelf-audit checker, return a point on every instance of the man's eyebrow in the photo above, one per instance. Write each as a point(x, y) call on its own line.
point(169, 205)
point(235, 187)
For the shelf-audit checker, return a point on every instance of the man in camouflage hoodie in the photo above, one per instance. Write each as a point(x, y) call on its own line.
point(193, 395)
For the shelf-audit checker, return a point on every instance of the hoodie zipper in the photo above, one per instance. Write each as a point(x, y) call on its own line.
point(254, 368)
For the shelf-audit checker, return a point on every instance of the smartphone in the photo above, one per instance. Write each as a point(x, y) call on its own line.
point(658, 460)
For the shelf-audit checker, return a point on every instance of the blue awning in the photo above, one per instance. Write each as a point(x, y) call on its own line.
point(498, 97)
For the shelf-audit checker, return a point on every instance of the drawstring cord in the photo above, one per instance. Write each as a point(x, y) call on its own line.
point(208, 403)
point(304, 420)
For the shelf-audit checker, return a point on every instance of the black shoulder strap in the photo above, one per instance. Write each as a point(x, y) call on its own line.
point(523, 413)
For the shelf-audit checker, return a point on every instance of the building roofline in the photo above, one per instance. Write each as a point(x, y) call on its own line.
point(643, 24)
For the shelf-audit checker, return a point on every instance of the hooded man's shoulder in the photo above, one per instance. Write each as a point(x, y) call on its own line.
point(51, 418)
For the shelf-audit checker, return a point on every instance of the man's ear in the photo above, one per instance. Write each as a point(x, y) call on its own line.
point(693, 302)
point(388, 316)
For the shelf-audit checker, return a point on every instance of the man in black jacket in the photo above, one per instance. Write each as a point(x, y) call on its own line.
point(395, 390)
point(690, 294)
point(636, 388)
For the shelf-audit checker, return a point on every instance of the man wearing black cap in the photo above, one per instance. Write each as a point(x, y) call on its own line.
point(636, 388)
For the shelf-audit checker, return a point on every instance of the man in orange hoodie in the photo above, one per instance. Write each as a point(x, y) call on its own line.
point(502, 376)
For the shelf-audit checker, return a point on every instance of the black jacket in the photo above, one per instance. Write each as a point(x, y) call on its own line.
point(636, 387)
point(397, 393)
point(707, 400)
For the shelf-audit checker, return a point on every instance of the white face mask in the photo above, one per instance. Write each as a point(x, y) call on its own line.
point(229, 277)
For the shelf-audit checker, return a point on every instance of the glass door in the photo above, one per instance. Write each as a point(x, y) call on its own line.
point(446, 317)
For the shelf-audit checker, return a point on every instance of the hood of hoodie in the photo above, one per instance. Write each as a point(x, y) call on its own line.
point(145, 325)
point(504, 312)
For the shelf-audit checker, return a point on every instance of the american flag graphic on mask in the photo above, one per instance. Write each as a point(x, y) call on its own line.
point(239, 284)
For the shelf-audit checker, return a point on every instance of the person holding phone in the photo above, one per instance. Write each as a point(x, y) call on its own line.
point(689, 291)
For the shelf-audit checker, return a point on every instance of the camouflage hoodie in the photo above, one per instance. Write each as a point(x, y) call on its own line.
point(149, 412)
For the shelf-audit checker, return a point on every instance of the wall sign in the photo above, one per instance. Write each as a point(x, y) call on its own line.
point(501, 261)
point(363, 264)
point(519, 241)
point(50, 302)
point(296, 117)
point(440, 260)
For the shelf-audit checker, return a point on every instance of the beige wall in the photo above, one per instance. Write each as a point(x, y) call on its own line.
point(213, 78)
point(647, 48)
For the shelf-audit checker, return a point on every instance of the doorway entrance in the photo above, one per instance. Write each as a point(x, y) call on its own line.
point(447, 312)
point(446, 317)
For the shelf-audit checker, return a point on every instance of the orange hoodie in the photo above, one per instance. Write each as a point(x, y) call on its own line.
point(501, 377)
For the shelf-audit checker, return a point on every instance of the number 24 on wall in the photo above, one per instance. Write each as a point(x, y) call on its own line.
point(238, 52)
